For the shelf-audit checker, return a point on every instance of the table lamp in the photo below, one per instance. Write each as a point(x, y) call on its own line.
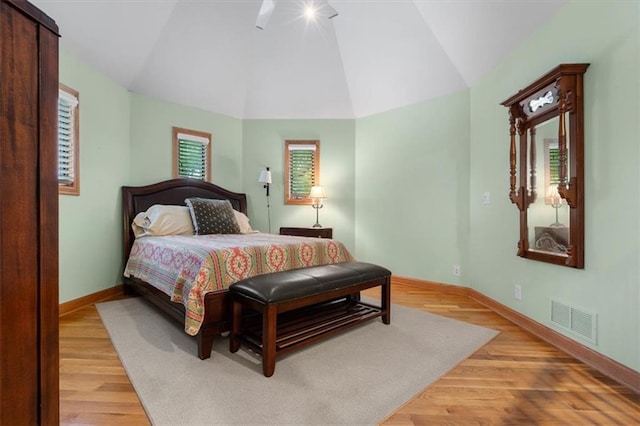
point(556, 202)
point(317, 194)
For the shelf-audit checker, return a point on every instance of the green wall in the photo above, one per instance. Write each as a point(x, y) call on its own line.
point(91, 223)
point(604, 34)
point(151, 141)
point(412, 188)
point(263, 142)
point(421, 172)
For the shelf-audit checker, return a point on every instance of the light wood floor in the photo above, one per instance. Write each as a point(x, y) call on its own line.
point(514, 379)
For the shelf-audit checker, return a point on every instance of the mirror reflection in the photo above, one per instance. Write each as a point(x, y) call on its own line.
point(548, 216)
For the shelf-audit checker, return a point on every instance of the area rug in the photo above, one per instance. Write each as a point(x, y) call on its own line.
point(357, 377)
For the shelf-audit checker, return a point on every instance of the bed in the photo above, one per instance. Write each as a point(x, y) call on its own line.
point(214, 316)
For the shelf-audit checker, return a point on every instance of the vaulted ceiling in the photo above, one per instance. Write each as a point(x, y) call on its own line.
point(374, 56)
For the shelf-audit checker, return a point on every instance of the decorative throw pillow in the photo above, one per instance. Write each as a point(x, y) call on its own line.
point(161, 220)
point(243, 222)
point(212, 216)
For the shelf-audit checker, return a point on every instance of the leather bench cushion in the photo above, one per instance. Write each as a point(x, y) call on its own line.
point(300, 283)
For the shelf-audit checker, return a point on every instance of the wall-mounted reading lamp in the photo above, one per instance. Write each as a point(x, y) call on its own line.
point(265, 179)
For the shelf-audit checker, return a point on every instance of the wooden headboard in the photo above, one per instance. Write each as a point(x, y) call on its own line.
point(136, 199)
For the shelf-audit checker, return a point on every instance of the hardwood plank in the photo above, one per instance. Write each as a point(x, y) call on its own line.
point(515, 379)
point(94, 387)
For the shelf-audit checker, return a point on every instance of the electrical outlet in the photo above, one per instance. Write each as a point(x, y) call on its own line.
point(517, 292)
point(456, 270)
point(486, 198)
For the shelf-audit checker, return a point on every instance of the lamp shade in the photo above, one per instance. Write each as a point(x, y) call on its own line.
point(265, 176)
point(552, 195)
point(317, 192)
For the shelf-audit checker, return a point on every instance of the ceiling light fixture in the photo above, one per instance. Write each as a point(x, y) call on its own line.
point(310, 11)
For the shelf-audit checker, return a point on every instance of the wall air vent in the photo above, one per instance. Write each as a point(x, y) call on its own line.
point(577, 321)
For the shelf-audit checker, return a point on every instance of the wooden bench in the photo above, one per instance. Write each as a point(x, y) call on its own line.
point(301, 306)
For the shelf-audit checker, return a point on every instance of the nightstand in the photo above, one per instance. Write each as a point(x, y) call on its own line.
point(308, 232)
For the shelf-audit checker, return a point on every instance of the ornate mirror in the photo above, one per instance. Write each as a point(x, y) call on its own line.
point(547, 166)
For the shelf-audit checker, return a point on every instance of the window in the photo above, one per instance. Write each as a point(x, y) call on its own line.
point(191, 154)
point(551, 166)
point(302, 165)
point(554, 165)
point(68, 141)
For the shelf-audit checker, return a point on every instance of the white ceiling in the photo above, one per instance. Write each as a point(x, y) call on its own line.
point(375, 56)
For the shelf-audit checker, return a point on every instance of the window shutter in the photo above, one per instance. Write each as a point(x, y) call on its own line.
point(192, 157)
point(554, 166)
point(302, 170)
point(66, 109)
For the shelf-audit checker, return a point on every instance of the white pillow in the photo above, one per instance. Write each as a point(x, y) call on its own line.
point(163, 220)
point(243, 222)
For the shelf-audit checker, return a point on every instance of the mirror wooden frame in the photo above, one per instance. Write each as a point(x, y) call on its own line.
point(558, 93)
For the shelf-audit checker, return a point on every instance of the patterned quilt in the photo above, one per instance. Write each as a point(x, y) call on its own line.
point(188, 267)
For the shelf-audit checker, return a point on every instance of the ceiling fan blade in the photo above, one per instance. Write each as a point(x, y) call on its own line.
point(266, 10)
point(331, 11)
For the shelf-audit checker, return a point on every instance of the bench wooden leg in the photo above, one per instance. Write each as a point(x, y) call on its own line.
point(236, 319)
point(386, 301)
point(269, 327)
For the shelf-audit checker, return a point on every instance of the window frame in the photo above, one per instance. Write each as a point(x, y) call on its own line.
point(74, 187)
point(288, 199)
point(175, 156)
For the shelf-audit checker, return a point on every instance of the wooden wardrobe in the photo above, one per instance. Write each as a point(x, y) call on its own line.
point(29, 359)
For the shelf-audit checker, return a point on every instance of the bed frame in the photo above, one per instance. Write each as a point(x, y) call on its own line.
point(136, 199)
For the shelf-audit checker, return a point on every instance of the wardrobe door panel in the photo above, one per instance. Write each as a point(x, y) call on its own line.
point(29, 359)
point(18, 235)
